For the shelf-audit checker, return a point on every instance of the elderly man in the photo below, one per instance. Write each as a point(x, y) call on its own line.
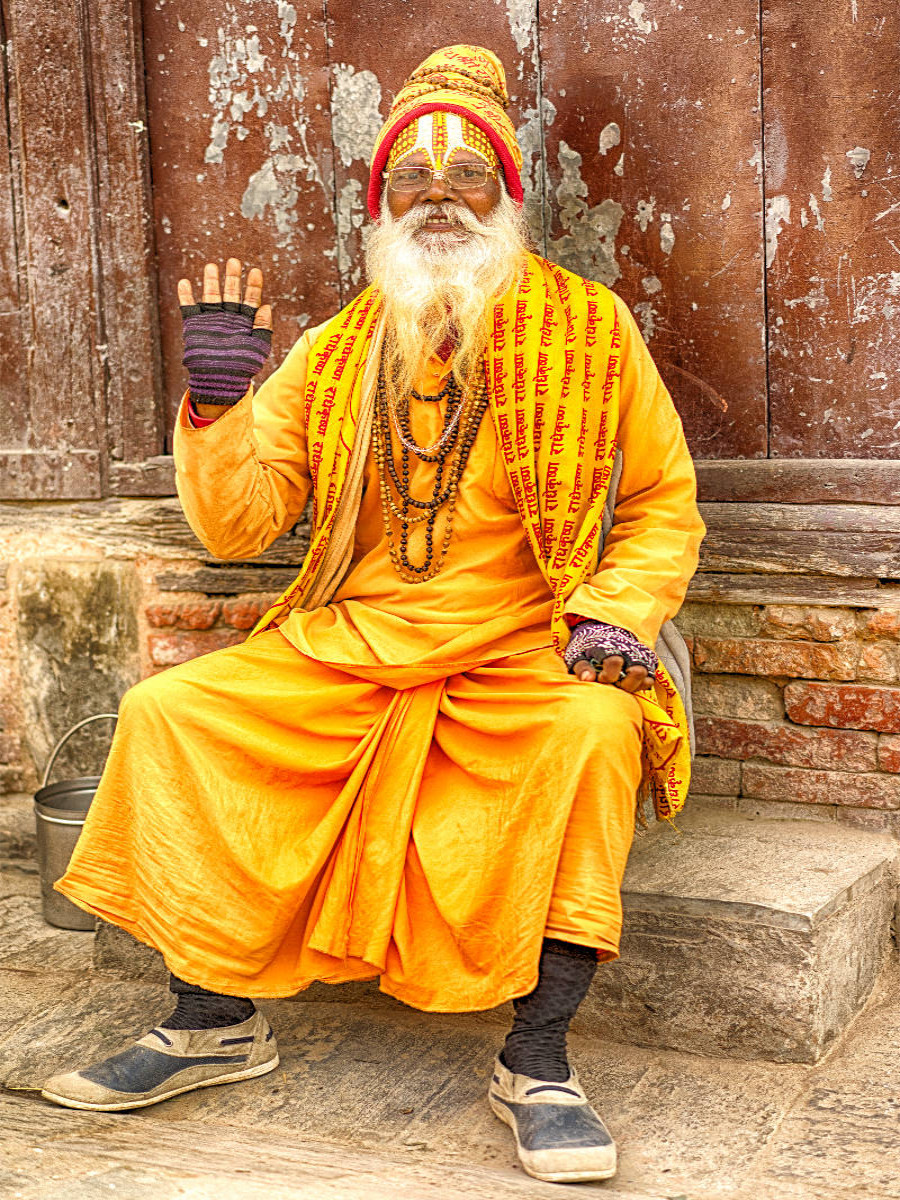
point(423, 765)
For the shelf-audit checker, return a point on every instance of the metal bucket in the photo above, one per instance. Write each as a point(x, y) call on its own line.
point(60, 810)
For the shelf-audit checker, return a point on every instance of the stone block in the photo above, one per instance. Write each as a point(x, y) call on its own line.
point(739, 696)
point(746, 938)
point(786, 810)
point(852, 788)
point(190, 614)
point(883, 623)
point(889, 753)
point(78, 653)
point(844, 706)
point(719, 620)
point(244, 611)
point(877, 820)
point(879, 662)
point(759, 656)
point(801, 621)
point(715, 777)
point(171, 649)
point(18, 839)
point(789, 745)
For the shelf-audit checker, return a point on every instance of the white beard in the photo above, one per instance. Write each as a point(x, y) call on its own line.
point(442, 285)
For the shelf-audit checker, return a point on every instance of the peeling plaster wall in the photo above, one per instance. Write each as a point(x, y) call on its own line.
point(245, 80)
point(589, 244)
point(355, 123)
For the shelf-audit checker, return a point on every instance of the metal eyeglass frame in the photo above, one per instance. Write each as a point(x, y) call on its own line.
point(386, 175)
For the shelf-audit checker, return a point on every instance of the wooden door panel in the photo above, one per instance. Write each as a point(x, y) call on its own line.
point(832, 136)
point(240, 143)
point(56, 435)
point(653, 150)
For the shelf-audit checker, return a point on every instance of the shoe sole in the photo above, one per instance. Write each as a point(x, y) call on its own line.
point(233, 1077)
point(502, 1113)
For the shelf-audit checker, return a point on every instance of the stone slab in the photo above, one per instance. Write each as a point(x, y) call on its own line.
point(77, 633)
point(239, 1164)
point(747, 938)
point(27, 942)
point(772, 872)
point(839, 1139)
point(403, 1093)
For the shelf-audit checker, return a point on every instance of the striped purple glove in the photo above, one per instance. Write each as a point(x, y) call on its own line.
point(595, 640)
point(222, 350)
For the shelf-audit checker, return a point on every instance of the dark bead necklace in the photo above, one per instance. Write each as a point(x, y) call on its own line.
point(450, 454)
point(449, 387)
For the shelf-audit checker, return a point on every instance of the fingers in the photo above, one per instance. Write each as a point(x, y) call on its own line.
point(636, 679)
point(611, 669)
point(232, 281)
point(211, 292)
point(263, 318)
point(253, 294)
point(608, 673)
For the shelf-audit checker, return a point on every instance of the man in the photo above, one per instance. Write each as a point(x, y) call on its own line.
point(423, 765)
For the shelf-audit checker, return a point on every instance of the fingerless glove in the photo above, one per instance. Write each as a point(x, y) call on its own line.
point(222, 350)
point(595, 640)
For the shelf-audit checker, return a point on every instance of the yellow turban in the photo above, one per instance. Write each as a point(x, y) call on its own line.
point(468, 81)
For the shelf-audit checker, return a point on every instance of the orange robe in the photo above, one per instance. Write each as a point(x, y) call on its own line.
point(404, 783)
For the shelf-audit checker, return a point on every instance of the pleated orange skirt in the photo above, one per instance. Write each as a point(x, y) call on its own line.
point(266, 820)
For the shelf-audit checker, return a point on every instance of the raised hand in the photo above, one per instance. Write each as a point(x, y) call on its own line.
point(226, 341)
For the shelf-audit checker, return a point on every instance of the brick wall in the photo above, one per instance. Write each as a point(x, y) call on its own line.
point(797, 704)
point(798, 709)
point(182, 627)
point(95, 596)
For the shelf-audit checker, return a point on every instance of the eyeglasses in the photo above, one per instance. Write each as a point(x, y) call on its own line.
point(458, 176)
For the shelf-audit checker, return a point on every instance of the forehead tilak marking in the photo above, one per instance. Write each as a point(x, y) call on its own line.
point(439, 135)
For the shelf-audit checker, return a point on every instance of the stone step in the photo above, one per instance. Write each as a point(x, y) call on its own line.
point(744, 937)
point(370, 1094)
point(392, 1094)
point(747, 937)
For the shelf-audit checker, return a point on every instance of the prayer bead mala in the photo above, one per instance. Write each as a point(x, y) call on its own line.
point(449, 453)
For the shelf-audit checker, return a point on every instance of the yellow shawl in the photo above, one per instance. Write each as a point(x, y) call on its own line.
point(552, 367)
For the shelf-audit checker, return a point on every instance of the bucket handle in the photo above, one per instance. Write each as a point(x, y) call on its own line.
point(65, 737)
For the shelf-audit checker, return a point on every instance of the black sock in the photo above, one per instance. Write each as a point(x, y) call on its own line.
point(536, 1044)
point(199, 1009)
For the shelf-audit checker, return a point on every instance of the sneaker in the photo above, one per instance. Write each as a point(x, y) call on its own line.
point(558, 1135)
point(166, 1062)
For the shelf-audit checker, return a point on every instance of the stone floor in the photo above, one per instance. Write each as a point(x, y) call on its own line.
point(379, 1102)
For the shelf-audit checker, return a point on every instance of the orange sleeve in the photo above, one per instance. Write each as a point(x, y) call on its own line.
point(651, 552)
point(244, 479)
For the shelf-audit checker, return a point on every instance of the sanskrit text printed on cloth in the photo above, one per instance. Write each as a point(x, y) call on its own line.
point(552, 366)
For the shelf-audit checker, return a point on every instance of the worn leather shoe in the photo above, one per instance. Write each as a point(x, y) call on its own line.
point(558, 1135)
point(166, 1062)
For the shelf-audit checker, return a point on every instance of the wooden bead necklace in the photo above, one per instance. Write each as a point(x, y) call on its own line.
point(450, 453)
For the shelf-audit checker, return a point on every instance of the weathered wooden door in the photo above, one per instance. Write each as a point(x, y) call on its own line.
point(734, 176)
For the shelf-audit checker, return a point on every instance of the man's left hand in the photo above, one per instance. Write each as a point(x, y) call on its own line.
point(635, 679)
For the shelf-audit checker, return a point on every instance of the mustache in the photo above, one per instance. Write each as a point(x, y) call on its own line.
point(454, 214)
